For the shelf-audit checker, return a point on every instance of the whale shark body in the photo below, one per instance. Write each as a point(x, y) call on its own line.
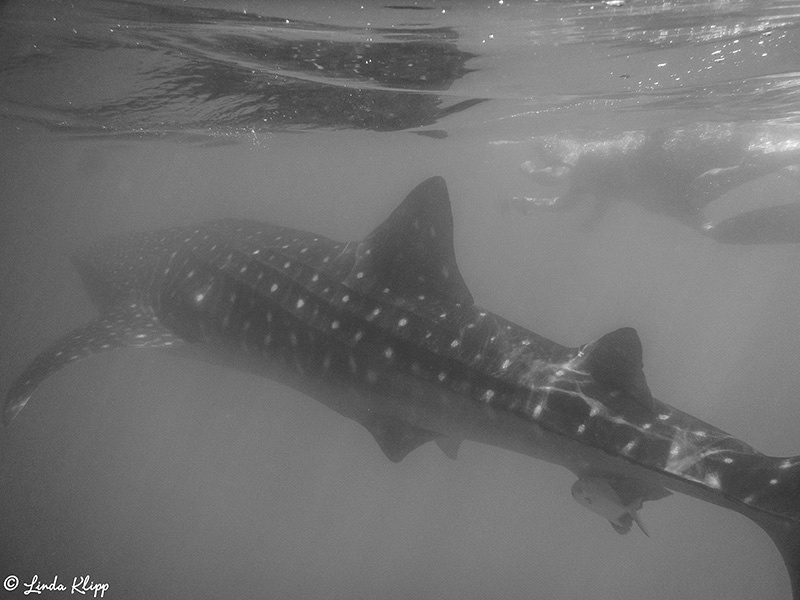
point(385, 332)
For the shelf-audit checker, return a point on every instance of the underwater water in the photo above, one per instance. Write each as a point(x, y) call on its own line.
point(167, 478)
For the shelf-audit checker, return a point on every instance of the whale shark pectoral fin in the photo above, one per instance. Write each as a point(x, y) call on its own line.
point(395, 438)
point(615, 360)
point(128, 326)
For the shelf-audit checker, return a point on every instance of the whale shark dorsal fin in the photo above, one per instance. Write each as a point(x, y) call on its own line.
point(615, 360)
point(411, 253)
point(128, 325)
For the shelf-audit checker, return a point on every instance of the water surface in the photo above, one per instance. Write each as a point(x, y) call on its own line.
point(167, 478)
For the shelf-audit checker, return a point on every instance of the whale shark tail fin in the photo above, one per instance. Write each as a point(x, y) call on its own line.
point(768, 489)
point(778, 501)
point(786, 537)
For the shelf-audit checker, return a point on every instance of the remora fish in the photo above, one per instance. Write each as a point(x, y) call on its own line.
point(384, 331)
point(607, 498)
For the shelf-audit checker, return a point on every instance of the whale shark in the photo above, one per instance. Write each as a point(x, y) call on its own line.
point(384, 331)
point(677, 172)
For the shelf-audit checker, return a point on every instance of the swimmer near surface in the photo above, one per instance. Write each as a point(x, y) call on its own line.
point(676, 172)
point(384, 331)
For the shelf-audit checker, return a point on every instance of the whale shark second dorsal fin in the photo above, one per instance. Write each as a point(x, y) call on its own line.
point(411, 253)
point(615, 360)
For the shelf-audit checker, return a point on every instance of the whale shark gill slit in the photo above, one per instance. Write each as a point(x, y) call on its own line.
point(385, 332)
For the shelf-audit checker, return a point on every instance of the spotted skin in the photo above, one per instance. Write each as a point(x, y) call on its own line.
point(385, 332)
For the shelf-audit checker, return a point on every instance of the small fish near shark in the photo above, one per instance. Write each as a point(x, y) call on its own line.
point(607, 497)
point(385, 332)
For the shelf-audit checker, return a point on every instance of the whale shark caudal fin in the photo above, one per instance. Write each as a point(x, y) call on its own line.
point(127, 326)
point(786, 537)
point(772, 488)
